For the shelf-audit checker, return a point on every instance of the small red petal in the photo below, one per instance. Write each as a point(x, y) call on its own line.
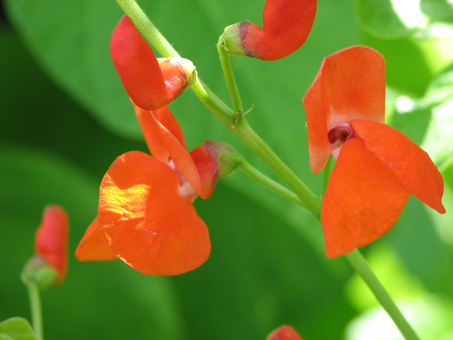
point(412, 165)
point(175, 80)
point(149, 124)
point(284, 333)
point(182, 160)
point(151, 133)
point(137, 66)
point(286, 25)
point(350, 84)
point(92, 247)
point(168, 120)
point(145, 221)
point(206, 168)
point(51, 239)
point(362, 202)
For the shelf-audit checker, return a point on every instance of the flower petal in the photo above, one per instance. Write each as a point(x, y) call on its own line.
point(206, 169)
point(152, 135)
point(92, 246)
point(362, 202)
point(412, 165)
point(151, 131)
point(350, 84)
point(138, 68)
point(286, 25)
point(182, 160)
point(145, 221)
point(51, 239)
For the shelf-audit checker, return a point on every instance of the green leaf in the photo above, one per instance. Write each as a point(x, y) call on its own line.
point(439, 10)
point(379, 18)
point(16, 328)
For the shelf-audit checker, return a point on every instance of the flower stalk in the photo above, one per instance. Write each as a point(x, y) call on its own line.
point(35, 307)
point(359, 263)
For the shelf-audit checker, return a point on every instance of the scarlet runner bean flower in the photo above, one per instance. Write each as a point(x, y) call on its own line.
point(284, 333)
point(51, 242)
point(150, 85)
point(286, 25)
point(377, 167)
point(146, 217)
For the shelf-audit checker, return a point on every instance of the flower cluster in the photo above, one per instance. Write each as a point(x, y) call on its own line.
point(145, 216)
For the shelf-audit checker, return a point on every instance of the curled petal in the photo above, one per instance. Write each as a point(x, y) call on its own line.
point(51, 239)
point(362, 202)
point(145, 221)
point(148, 84)
point(284, 333)
point(92, 246)
point(411, 165)
point(148, 123)
point(286, 25)
point(350, 84)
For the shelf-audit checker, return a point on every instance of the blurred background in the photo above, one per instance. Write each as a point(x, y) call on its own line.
point(64, 118)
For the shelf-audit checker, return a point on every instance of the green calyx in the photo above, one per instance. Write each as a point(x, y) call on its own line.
point(232, 39)
point(226, 158)
point(38, 272)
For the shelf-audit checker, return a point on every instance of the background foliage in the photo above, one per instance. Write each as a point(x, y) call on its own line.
point(65, 117)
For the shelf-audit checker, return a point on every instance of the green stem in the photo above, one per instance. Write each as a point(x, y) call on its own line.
point(36, 311)
point(359, 263)
point(249, 137)
point(262, 179)
point(224, 57)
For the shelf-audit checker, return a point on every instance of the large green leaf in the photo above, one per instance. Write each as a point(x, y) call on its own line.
point(16, 329)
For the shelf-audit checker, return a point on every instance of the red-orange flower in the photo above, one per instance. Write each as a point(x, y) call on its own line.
point(284, 333)
point(150, 85)
point(377, 167)
point(146, 216)
point(51, 240)
point(286, 25)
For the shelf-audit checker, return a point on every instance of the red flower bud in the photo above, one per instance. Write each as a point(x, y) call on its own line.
point(286, 25)
point(51, 240)
point(284, 333)
point(150, 85)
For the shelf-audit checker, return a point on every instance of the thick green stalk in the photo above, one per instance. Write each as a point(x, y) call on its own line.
point(36, 310)
point(359, 263)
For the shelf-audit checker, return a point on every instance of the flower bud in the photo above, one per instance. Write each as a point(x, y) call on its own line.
point(284, 333)
point(51, 246)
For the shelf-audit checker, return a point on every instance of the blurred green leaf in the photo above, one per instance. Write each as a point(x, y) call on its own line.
point(379, 18)
point(16, 328)
point(437, 9)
